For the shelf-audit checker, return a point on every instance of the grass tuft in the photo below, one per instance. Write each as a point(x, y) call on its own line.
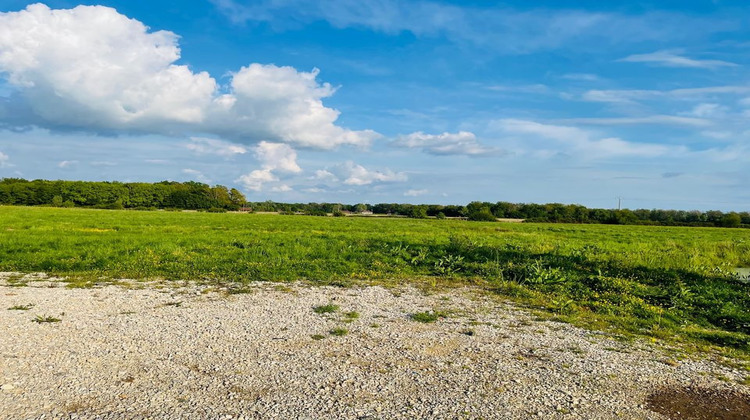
point(339, 332)
point(44, 319)
point(326, 309)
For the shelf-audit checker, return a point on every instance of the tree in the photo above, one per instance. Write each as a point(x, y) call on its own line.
point(237, 198)
point(731, 220)
point(418, 212)
point(57, 201)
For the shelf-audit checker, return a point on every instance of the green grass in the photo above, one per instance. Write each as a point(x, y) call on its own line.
point(326, 309)
point(670, 283)
point(427, 317)
point(339, 332)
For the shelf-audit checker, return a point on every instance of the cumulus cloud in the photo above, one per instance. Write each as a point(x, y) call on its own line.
point(461, 143)
point(277, 156)
point(207, 146)
point(673, 59)
point(4, 160)
point(354, 174)
point(581, 142)
point(254, 180)
point(90, 68)
point(272, 157)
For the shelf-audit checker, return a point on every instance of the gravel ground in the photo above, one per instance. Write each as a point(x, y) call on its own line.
point(189, 351)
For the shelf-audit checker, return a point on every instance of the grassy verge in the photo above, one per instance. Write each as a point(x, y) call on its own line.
point(669, 283)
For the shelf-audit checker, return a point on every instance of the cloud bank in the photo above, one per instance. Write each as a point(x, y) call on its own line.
point(92, 69)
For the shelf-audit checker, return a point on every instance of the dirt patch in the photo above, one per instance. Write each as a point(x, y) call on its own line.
point(700, 404)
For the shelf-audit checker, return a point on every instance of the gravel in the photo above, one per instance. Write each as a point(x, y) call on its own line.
point(178, 351)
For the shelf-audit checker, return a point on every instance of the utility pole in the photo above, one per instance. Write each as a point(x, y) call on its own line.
point(619, 203)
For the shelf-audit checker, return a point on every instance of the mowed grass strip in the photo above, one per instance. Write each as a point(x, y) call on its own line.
point(667, 282)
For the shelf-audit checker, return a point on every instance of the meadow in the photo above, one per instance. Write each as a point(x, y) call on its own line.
point(673, 283)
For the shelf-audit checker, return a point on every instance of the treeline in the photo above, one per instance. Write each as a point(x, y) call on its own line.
point(551, 213)
point(198, 196)
point(119, 195)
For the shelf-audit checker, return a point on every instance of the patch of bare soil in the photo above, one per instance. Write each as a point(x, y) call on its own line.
point(700, 404)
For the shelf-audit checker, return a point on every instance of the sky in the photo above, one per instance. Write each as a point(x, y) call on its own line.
point(587, 102)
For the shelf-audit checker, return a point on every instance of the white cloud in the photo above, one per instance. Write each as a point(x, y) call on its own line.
point(207, 146)
point(635, 95)
point(415, 193)
point(277, 156)
point(4, 160)
point(461, 143)
point(272, 157)
point(254, 180)
point(706, 110)
point(323, 175)
point(281, 188)
point(67, 164)
point(354, 174)
point(672, 59)
point(581, 142)
point(90, 68)
point(652, 119)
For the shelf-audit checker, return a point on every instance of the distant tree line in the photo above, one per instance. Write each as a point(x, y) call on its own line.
point(198, 196)
point(119, 195)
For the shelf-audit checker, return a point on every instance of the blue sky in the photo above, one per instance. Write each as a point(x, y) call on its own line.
point(386, 101)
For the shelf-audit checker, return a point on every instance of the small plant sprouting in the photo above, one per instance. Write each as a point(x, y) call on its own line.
point(21, 307)
point(326, 309)
point(39, 319)
point(317, 336)
point(427, 317)
point(351, 316)
point(339, 332)
point(175, 304)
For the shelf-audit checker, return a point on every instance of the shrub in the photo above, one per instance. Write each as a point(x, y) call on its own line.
point(482, 215)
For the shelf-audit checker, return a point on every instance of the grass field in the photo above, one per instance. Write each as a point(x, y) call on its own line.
point(665, 282)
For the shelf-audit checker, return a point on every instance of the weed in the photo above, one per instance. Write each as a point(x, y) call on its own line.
point(317, 337)
point(39, 319)
point(326, 309)
point(339, 332)
point(427, 317)
point(21, 307)
point(351, 315)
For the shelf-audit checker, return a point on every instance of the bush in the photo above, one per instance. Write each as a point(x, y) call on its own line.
point(338, 213)
point(57, 201)
point(418, 212)
point(216, 210)
point(440, 215)
point(482, 215)
point(68, 204)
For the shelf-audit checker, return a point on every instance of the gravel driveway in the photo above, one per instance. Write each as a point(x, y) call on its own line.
point(190, 351)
